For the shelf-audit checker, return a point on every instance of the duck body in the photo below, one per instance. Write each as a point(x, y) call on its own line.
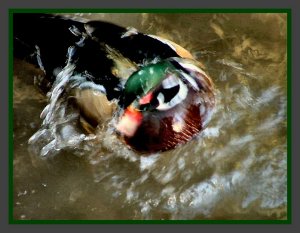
point(153, 88)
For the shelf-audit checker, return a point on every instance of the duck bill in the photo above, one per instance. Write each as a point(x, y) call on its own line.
point(129, 122)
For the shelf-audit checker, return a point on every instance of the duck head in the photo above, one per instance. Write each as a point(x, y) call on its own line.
point(165, 104)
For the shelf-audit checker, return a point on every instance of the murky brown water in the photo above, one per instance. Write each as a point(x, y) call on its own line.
point(236, 169)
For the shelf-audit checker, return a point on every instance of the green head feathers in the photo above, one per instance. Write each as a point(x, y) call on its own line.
point(145, 80)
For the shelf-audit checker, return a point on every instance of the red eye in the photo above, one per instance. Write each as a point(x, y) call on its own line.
point(146, 99)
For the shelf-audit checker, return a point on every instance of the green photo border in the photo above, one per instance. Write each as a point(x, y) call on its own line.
point(114, 10)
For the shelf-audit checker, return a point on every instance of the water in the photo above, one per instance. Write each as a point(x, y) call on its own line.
point(236, 169)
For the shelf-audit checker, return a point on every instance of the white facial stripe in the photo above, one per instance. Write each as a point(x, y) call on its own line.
point(201, 74)
point(191, 81)
point(170, 82)
point(160, 98)
point(181, 95)
point(190, 66)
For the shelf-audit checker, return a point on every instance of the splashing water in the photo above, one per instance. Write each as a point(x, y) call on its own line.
point(235, 169)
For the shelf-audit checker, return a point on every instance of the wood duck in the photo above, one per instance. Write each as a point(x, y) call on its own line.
point(158, 95)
